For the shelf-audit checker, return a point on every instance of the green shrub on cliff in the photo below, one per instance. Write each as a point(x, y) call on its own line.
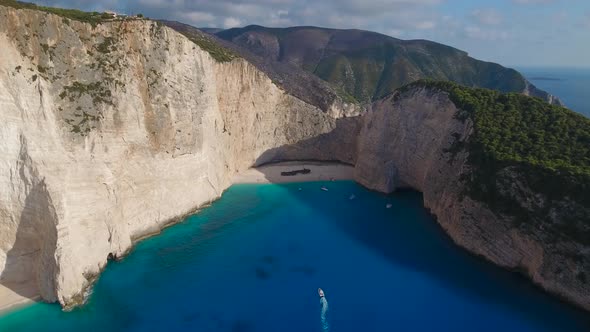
point(524, 139)
point(207, 44)
point(94, 18)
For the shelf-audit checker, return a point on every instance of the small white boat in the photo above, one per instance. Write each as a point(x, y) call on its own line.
point(352, 197)
point(389, 205)
point(320, 292)
point(324, 189)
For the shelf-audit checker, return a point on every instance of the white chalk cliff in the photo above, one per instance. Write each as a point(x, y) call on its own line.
point(406, 141)
point(109, 133)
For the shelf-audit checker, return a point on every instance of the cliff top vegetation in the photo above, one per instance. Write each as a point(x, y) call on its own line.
point(93, 18)
point(518, 142)
point(205, 42)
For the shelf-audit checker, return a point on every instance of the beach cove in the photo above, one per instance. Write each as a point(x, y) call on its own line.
point(254, 259)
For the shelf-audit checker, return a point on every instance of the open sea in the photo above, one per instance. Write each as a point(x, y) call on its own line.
point(254, 259)
point(571, 85)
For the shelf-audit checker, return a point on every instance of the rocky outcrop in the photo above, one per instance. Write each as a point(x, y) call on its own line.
point(111, 132)
point(407, 141)
point(533, 91)
point(299, 83)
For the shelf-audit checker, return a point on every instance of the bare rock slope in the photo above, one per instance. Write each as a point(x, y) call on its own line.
point(111, 132)
point(407, 140)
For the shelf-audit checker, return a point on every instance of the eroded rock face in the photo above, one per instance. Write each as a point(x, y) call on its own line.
point(407, 141)
point(108, 133)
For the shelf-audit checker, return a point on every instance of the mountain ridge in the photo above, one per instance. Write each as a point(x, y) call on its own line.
point(111, 131)
point(368, 65)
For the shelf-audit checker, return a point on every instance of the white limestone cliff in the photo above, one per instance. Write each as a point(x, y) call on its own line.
point(406, 141)
point(112, 132)
point(109, 133)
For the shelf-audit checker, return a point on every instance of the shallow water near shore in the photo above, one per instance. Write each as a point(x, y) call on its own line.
point(253, 261)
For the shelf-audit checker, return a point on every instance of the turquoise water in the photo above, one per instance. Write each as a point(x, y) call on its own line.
point(253, 262)
point(571, 85)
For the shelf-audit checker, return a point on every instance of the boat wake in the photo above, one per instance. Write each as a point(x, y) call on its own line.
point(324, 311)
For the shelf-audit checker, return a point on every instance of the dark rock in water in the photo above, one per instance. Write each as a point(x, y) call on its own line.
point(262, 273)
point(272, 260)
point(242, 326)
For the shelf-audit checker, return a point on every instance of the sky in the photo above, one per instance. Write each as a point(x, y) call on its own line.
point(517, 33)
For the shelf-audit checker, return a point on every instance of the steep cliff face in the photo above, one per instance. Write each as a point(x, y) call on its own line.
point(408, 140)
point(111, 132)
point(299, 83)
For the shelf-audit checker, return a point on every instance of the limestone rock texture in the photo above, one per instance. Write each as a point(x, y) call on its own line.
point(406, 141)
point(110, 132)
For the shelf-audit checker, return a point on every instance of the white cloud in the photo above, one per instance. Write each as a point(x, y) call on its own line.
point(585, 23)
point(526, 29)
point(559, 17)
point(395, 33)
point(476, 32)
point(532, 2)
point(425, 25)
point(487, 16)
point(231, 22)
point(280, 18)
point(197, 18)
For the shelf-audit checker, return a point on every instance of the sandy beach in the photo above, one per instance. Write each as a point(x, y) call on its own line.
point(15, 295)
point(320, 171)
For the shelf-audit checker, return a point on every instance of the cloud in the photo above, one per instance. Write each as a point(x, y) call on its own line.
point(197, 17)
point(559, 17)
point(491, 29)
point(395, 33)
point(425, 25)
point(487, 16)
point(476, 32)
point(532, 2)
point(400, 16)
point(231, 22)
point(585, 22)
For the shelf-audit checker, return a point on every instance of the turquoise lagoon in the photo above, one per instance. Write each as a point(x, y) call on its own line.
point(254, 259)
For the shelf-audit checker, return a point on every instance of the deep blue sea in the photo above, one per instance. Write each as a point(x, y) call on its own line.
point(253, 261)
point(571, 85)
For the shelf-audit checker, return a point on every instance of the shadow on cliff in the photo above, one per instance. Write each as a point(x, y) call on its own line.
point(28, 267)
point(336, 145)
point(420, 245)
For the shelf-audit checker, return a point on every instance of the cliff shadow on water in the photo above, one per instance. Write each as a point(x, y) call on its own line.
point(433, 254)
point(30, 263)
